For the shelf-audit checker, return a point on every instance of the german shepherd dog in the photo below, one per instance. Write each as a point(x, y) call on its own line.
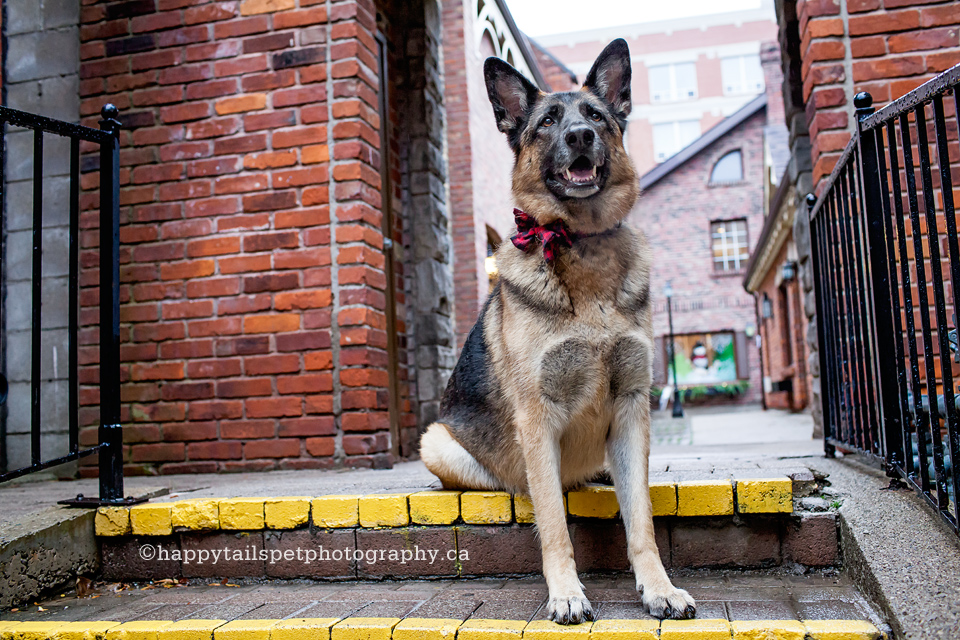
point(552, 386)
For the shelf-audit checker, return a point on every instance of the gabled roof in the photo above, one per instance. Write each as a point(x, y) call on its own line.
point(536, 45)
point(716, 132)
point(524, 45)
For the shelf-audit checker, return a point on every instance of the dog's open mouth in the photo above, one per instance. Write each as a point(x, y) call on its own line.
point(581, 173)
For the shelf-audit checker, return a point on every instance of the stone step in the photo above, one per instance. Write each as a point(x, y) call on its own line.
point(718, 523)
point(735, 606)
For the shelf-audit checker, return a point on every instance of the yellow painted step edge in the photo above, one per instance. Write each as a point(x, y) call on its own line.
point(701, 498)
point(438, 629)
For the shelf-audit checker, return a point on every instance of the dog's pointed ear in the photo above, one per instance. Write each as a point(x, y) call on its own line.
point(610, 78)
point(511, 95)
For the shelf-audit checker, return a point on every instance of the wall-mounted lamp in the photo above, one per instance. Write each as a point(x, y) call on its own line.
point(766, 307)
point(789, 270)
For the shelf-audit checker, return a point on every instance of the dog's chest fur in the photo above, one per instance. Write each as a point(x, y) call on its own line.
point(597, 290)
point(574, 335)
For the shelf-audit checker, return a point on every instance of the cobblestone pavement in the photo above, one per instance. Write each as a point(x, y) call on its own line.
point(729, 595)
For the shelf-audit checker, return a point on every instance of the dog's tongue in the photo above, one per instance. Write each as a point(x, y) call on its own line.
point(581, 175)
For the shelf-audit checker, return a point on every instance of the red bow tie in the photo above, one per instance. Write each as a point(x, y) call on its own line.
point(551, 235)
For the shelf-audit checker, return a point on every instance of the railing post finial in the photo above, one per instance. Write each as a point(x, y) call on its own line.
point(811, 201)
point(108, 118)
point(863, 102)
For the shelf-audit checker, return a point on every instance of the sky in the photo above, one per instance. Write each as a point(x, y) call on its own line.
point(547, 17)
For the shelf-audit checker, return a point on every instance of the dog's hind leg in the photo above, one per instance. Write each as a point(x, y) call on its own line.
point(628, 449)
point(448, 460)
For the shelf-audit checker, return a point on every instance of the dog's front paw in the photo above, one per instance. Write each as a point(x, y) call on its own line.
point(669, 603)
point(570, 610)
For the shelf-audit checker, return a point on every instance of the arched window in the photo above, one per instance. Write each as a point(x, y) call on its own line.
point(729, 168)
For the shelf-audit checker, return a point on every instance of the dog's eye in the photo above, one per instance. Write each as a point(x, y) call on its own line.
point(595, 116)
point(547, 122)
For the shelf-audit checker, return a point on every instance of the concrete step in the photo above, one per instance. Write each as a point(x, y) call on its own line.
point(744, 522)
point(733, 605)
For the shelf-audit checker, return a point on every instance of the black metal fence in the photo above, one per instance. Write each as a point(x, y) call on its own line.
point(110, 436)
point(887, 270)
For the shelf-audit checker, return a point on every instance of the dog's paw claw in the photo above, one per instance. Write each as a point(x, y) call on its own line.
point(571, 610)
point(676, 604)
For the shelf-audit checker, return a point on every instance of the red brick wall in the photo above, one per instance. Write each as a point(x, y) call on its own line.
point(775, 361)
point(886, 47)
point(458, 37)
point(480, 159)
point(675, 213)
point(253, 327)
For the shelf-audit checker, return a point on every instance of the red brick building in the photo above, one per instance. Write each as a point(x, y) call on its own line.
point(701, 211)
point(689, 73)
point(703, 132)
point(480, 198)
point(296, 197)
point(832, 50)
point(772, 274)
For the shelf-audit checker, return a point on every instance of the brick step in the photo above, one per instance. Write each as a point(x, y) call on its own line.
point(750, 605)
point(440, 629)
point(449, 534)
point(698, 498)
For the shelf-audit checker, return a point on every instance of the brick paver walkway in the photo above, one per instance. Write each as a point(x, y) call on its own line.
point(723, 595)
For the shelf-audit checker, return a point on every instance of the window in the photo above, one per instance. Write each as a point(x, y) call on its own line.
point(741, 74)
point(729, 240)
point(673, 82)
point(729, 168)
point(670, 137)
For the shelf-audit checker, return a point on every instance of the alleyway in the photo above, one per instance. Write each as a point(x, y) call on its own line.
point(724, 430)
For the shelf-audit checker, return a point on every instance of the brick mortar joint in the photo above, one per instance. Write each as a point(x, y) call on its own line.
point(339, 454)
point(848, 68)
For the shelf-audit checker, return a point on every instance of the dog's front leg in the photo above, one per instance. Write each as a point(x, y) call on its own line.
point(628, 448)
point(540, 441)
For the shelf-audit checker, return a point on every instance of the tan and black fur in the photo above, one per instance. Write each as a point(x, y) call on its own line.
point(553, 382)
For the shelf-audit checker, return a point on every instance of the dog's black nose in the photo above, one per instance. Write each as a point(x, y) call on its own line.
point(580, 138)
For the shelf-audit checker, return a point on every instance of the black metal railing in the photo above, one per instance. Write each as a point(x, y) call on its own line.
point(110, 434)
point(887, 270)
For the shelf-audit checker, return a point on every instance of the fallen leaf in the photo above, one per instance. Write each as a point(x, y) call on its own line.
point(84, 586)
